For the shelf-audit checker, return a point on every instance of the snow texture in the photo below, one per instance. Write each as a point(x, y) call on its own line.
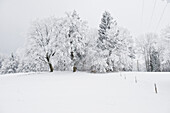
point(65, 92)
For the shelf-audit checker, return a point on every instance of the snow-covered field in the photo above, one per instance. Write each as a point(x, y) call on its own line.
point(67, 92)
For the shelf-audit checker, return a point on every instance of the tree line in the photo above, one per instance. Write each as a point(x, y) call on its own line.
point(68, 44)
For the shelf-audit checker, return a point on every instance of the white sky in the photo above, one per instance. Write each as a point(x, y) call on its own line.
point(16, 16)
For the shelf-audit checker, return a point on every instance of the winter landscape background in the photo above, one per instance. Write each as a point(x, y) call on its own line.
point(53, 60)
point(42, 37)
point(45, 41)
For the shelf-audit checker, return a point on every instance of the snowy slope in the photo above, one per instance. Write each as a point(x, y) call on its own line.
point(67, 92)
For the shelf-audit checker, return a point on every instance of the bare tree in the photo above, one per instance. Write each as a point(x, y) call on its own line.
point(149, 46)
point(42, 41)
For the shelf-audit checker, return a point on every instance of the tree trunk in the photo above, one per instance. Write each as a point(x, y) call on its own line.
point(74, 69)
point(51, 67)
point(49, 63)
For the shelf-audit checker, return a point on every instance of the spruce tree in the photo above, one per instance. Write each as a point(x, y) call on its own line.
point(104, 26)
point(154, 61)
point(107, 40)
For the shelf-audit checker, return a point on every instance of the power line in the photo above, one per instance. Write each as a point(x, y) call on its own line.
point(153, 10)
point(142, 15)
point(161, 16)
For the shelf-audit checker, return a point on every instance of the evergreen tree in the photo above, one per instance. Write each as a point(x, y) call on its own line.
point(104, 27)
point(154, 61)
point(107, 40)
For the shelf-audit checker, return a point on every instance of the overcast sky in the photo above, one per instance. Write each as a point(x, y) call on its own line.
point(16, 16)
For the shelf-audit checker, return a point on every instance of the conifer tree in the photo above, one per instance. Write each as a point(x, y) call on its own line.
point(104, 26)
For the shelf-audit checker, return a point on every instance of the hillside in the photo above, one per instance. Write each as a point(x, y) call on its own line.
point(66, 92)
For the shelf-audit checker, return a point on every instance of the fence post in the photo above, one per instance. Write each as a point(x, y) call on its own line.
point(136, 80)
point(156, 90)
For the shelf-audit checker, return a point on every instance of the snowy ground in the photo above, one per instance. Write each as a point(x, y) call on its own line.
point(66, 92)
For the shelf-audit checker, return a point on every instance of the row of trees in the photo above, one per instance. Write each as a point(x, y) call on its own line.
point(154, 51)
point(68, 43)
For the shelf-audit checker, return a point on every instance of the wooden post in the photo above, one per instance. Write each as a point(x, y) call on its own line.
point(137, 65)
point(156, 90)
point(124, 77)
point(136, 80)
point(120, 74)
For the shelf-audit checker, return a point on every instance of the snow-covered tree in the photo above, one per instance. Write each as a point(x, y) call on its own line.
point(28, 64)
point(43, 40)
point(154, 61)
point(124, 49)
point(165, 38)
point(91, 54)
point(1, 60)
point(106, 42)
point(10, 65)
point(62, 61)
point(67, 44)
point(107, 25)
point(150, 47)
point(75, 33)
point(166, 33)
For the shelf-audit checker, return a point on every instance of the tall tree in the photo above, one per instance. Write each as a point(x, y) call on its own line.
point(150, 47)
point(107, 25)
point(42, 44)
point(75, 37)
point(165, 36)
point(154, 61)
point(124, 49)
point(107, 40)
